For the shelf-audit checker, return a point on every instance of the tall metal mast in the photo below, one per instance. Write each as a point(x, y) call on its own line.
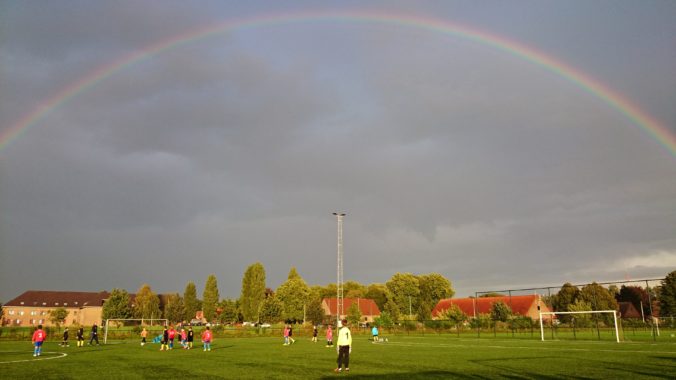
point(339, 275)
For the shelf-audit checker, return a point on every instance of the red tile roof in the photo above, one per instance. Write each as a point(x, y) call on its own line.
point(518, 304)
point(366, 305)
point(48, 298)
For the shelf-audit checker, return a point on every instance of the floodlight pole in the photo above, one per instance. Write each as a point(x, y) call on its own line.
point(339, 274)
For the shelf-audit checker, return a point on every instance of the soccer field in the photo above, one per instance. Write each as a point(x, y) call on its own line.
point(402, 357)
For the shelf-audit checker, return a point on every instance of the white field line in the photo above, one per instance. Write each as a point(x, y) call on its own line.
point(412, 344)
point(63, 355)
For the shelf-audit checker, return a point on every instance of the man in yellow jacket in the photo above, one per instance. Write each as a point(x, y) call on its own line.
point(344, 347)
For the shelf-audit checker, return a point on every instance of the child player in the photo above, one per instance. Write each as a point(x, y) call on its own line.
point(165, 339)
point(184, 339)
point(191, 337)
point(80, 337)
point(144, 335)
point(64, 343)
point(206, 339)
point(329, 337)
point(39, 337)
point(314, 334)
point(172, 335)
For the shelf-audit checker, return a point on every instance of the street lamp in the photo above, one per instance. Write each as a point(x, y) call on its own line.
point(339, 275)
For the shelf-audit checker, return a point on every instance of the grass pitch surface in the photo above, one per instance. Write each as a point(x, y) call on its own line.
point(402, 357)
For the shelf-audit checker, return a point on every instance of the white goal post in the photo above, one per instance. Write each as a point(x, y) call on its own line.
point(143, 321)
point(554, 313)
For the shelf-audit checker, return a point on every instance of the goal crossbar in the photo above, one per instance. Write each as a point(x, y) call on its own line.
point(553, 313)
point(149, 320)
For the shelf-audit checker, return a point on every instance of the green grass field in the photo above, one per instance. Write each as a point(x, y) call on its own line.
point(402, 357)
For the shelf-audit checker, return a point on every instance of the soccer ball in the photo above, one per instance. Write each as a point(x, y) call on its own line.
point(385, 339)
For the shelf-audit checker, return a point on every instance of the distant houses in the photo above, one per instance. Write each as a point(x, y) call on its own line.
point(33, 307)
point(520, 305)
point(367, 307)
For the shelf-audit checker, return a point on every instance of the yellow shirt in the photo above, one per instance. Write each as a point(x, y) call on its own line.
point(344, 337)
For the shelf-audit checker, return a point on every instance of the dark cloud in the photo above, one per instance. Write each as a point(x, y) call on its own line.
point(447, 155)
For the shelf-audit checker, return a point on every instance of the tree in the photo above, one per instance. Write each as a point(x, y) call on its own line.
point(378, 293)
point(580, 320)
point(405, 289)
point(354, 314)
point(353, 289)
point(228, 311)
point(315, 312)
point(667, 295)
point(392, 310)
point(272, 310)
point(384, 320)
point(491, 294)
point(566, 296)
point(190, 302)
point(454, 314)
point(117, 306)
point(294, 295)
point(253, 292)
point(636, 295)
point(599, 298)
point(500, 311)
point(210, 298)
point(174, 310)
point(146, 303)
point(57, 316)
point(433, 287)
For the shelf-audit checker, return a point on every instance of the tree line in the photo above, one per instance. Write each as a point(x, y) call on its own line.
point(403, 296)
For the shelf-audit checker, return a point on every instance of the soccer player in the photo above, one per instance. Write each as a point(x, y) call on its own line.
point(286, 335)
point(206, 339)
point(172, 335)
point(184, 339)
point(64, 343)
point(344, 347)
point(80, 337)
point(291, 335)
point(144, 335)
point(329, 337)
point(191, 337)
point(39, 337)
point(165, 339)
point(374, 332)
point(314, 334)
point(94, 335)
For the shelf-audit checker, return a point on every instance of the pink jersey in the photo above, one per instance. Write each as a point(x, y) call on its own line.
point(206, 336)
point(172, 333)
point(39, 336)
point(329, 334)
point(184, 335)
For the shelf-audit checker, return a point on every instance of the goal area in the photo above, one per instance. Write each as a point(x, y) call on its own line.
point(120, 324)
point(553, 319)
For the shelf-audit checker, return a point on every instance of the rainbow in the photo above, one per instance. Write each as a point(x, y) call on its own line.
point(638, 117)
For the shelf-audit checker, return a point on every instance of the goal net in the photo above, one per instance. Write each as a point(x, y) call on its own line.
point(582, 315)
point(130, 327)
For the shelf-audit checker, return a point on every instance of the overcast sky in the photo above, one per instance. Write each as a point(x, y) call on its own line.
point(448, 155)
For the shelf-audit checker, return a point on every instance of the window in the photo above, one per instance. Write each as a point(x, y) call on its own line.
point(65, 304)
point(56, 304)
point(11, 312)
point(42, 321)
point(18, 322)
point(76, 302)
point(43, 313)
point(34, 312)
point(21, 303)
point(44, 304)
point(21, 312)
